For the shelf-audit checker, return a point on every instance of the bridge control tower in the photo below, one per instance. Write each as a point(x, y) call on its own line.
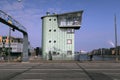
point(58, 32)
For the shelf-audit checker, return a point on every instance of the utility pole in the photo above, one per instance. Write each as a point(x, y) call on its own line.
point(115, 38)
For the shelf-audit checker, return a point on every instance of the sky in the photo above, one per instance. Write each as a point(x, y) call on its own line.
point(97, 30)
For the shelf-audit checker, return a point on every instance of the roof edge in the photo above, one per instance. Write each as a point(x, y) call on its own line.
point(81, 11)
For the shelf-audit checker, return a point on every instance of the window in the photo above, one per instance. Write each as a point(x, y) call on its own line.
point(54, 30)
point(62, 21)
point(49, 19)
point(12, 41)
point(54, 41)
point(69, 52)
point(54, 53)
point(69, 41)
point(70, 31)
point(54, 19)
point(71, 19)
point(49, 41)
point(50, 30)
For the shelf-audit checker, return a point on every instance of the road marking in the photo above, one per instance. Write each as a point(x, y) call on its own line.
point(75, 69)
point(35, 73)
point(103, 69)
point(56, 69)
point(39, 69)
point(29, 79)
point(60, 69)
point(13, 69)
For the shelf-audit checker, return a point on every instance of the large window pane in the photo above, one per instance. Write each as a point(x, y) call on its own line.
point(69, 20)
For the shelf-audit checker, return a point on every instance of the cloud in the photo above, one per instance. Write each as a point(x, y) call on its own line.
point(55, 10)
point(11, 5)
point(28, 14)
point(111, 43)
point(28, 17)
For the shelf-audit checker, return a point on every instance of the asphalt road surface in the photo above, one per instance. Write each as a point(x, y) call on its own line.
point(60, 71)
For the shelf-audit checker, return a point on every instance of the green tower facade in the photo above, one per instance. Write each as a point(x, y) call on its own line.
point(58, 35)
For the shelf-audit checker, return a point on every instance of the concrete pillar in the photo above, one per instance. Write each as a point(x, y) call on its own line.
point(25, 48)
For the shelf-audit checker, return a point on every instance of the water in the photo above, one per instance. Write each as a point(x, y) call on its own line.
point(85, 57)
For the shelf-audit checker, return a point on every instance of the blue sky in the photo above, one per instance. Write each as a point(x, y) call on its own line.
point(97, 29)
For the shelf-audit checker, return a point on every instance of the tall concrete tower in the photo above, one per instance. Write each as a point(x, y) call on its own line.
point(58, 35)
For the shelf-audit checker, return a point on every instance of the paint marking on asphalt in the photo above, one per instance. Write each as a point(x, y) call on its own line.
point(102, 69)
point(13, 69)
point(35, 73)
point(75, 69)
point(61, 69)
point(55, 69)
point(29, 79)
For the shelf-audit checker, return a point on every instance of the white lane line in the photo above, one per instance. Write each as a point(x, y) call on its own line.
point(55, 69)
point(111, 73)
point(35, 73)
point(61, 69)
point(13, 69)
point(29, 79)
point(37, 69)
point(102, 69)
point(76, 69)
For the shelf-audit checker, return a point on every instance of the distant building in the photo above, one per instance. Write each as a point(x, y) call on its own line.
point(106, 51)
point(58, 32)
point(16, 44)
point(113, 50)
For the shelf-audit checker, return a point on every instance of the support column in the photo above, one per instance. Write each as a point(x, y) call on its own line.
point(25, 48)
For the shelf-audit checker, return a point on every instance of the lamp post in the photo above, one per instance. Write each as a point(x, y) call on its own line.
point(115, 38)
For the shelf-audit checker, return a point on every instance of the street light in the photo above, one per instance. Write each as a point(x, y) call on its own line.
point(115, 38)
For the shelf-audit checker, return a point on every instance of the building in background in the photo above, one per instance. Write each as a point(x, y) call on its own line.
point(58, 32)
point(106, 51)
point(16, 45)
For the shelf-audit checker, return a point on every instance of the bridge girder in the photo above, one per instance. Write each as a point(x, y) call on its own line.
point(8, 20)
